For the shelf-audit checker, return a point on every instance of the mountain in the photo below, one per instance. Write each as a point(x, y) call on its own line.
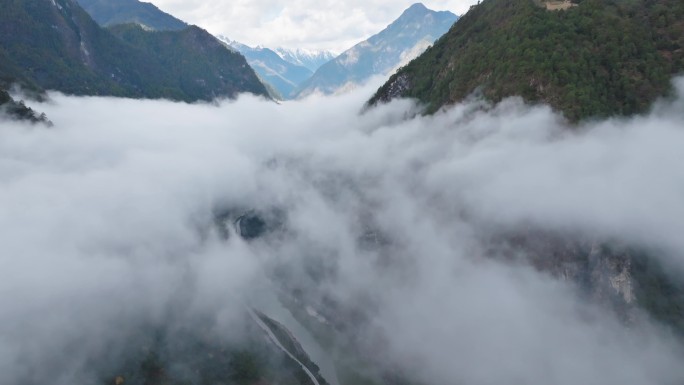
point(283, 75)
point(595, 58)
point(402, 40)
point(312, 59)
point(107, 12)
point(283, 69)
point(17, 110)
point(56, 45)
point(628, 281)
point(197, 63)
point(265, 353)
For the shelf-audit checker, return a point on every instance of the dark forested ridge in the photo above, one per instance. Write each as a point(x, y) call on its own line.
point(56, 45)
point(598, 58)
point(107, 13)
point(17, 110)
point(192, 63)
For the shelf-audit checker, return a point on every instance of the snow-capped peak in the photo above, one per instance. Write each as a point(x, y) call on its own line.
point(309, 58)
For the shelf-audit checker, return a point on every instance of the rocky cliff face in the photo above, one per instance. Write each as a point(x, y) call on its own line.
point(609, 274)
point(626, 279)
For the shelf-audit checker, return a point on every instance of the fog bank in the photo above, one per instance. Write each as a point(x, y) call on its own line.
point(106, 225)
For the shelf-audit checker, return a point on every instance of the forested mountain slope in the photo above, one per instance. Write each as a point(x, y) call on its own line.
point(56, 45)
point(192, 64)
point(598, 58)
point(17, 110)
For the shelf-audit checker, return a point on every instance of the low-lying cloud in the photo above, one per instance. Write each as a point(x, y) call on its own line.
point(106, 225)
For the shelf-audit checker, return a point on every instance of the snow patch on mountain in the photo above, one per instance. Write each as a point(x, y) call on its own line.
point(312, 59)
point(282, 75)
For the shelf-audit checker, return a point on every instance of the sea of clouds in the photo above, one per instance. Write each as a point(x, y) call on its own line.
point(106, 223)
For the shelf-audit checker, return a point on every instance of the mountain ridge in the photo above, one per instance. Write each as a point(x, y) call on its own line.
point(108, 13)
point(595, 59)
point(412, 31)
point(17, 110)
point(281, 74)
point(312, 59)
point(58, 46)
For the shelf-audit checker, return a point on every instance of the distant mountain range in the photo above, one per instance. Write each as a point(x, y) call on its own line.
point(295, 73)
point(312, 59)
point(283, 69)
point(56, 45)
point(288, 73)
point(416, 29)
point(585, 58)
point(108, 12)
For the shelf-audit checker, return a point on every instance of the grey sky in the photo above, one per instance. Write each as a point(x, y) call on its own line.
point(324, 24)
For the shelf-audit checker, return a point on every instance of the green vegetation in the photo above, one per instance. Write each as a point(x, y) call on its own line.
point(659, 292)
point(194, 355)
point(4, 97)
point(18, 110)
point(59, 47)
point(600, 58)
point(191, 64)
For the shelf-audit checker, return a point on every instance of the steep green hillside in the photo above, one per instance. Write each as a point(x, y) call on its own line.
point(56, 45)
point(192, 62)
point(599, 58)
point(47, 45)
point(107, 12)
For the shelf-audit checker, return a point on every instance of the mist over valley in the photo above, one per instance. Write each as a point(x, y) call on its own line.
point(179, 224)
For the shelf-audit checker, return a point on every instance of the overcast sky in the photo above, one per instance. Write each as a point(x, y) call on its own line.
point(327, 24)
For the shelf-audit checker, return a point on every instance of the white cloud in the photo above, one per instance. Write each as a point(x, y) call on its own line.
point(325, 24)
point(104, 218)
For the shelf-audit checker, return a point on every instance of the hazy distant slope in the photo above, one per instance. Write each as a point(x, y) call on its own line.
point(406, 37)
point(108, 12)
point(310, 58)
point(599, 58)
point(56, 45)
point(272, 68)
